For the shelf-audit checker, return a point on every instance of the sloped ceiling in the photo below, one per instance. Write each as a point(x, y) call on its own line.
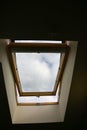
point(71, 25)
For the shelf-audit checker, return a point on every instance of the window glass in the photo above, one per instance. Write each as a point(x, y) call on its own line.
point(37, 71)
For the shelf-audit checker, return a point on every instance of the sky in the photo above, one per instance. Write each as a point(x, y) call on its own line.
point(37, 41)
point(37, 71)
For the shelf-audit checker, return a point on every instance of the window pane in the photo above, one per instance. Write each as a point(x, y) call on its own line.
point(35, 99)
point(37, 71)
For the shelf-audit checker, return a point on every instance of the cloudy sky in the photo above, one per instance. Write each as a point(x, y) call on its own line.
point(37, 71)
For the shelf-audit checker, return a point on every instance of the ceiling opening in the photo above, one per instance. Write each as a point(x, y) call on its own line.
point(37, 69)
point(36, 113)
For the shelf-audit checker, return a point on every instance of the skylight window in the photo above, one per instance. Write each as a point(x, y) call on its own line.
point(37, 69)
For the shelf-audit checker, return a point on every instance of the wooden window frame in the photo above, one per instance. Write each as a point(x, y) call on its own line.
point(12, 48)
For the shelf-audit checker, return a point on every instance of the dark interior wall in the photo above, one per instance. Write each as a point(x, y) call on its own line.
point(76, 113)
point(4, 107)
point(58, 23)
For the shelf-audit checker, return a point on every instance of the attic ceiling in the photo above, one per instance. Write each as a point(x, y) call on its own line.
point(43, 21)
point(67, 23)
